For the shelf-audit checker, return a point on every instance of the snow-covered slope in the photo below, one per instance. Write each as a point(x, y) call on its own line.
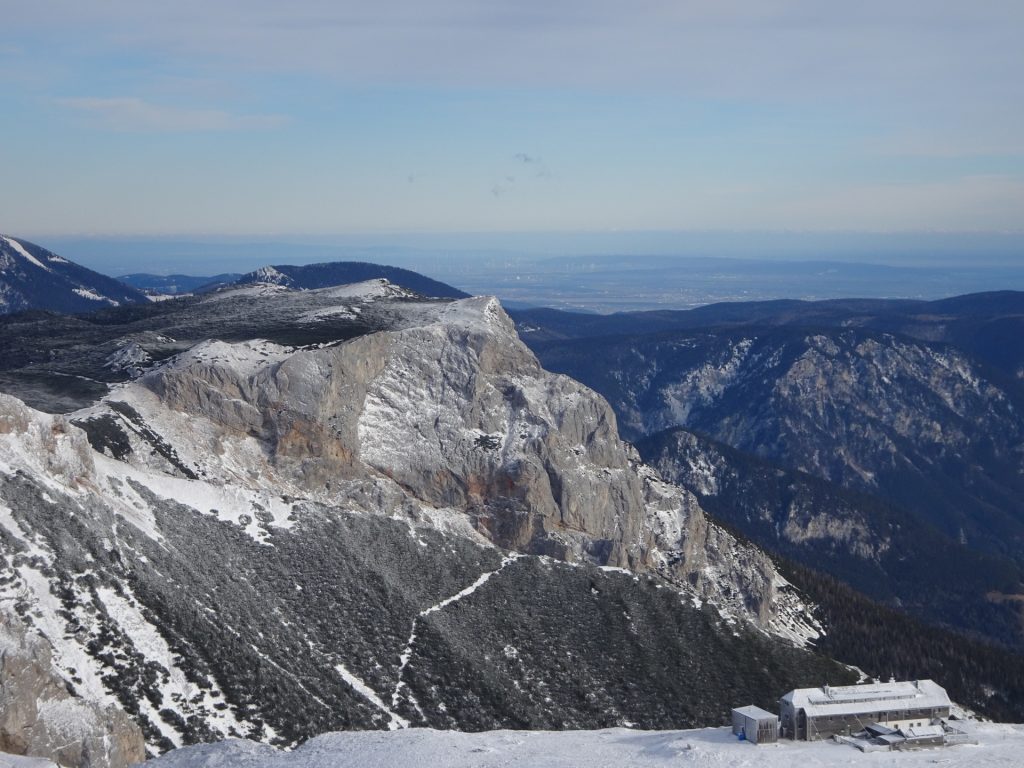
point(34, 278)
point(410, 523)
point(999, 746)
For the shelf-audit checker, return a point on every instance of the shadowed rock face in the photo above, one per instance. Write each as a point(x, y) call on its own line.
point(40, 718)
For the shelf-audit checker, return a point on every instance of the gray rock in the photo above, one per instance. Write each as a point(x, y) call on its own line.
point(455, 410)
point(40, 717)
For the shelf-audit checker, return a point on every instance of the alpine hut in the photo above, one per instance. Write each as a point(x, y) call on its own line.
point(811, 714)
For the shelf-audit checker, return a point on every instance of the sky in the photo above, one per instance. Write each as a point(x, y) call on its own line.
point(321, 117)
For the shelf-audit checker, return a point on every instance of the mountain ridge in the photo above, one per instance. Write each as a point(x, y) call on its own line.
point(32, 277)
point(383, 539)
point(327, 274)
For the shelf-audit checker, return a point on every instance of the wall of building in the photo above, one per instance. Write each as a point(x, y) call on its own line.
point(825, 727)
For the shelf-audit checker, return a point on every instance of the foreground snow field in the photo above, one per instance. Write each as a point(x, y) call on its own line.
point(998, 745)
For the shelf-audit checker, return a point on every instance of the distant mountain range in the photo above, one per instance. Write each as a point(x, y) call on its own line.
point(32, 277)
point(298, 277)
point(311, 276)
point(880, 440)
point(172, 285)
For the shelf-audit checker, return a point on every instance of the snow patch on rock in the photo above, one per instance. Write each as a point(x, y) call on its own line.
point(21, 251)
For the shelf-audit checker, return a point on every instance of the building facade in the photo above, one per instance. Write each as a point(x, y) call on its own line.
point(811, 714)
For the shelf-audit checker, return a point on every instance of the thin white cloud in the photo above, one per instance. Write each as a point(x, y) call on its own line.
point(723, 47)
point(128, 113)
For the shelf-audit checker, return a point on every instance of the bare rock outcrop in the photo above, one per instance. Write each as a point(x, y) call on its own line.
point(452, 408)
point(40, 717)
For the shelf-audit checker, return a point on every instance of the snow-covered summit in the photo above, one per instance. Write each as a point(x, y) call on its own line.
point(378, 288)
point(268, 274)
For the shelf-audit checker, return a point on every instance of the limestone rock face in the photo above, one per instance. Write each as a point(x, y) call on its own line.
point(450, 406)
point(56, 447)
point(41, 718)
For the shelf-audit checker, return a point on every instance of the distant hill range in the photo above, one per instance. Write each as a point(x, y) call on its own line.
point(311, 276)
point(32, 277)
point(172, 285)
point(302, 278)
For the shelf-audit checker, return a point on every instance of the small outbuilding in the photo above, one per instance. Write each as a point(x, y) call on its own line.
point(755, 725)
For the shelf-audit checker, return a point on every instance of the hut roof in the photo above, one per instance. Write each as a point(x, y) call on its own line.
point(756, 712)
point(868, 698)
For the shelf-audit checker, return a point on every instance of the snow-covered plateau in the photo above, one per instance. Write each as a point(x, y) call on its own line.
point(998, 746)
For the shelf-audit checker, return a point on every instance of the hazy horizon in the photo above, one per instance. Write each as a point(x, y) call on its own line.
point(605, 272)
point(166, 254)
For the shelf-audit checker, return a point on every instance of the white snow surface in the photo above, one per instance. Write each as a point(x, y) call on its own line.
point(247, 357)
point(396, 721)
point(379, 288)
point(349, 298)
point(88, 293)
point(998, 746)
point(20, 250)
point(268, 274)
point(253, 290)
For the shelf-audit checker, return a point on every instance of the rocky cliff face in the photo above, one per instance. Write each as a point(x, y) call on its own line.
point(880, 549)
point(923, 425)
point(399, 526)
point(450, 409)
point(41, 718)
point(920, 442)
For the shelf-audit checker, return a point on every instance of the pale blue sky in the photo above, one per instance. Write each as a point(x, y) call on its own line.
point(316, 117)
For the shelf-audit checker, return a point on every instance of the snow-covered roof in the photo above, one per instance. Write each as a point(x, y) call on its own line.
point(756, 712)
point(867, 698)
point(924, 732)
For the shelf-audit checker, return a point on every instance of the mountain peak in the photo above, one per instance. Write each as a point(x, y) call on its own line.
point(32, 277)
point(267, 274)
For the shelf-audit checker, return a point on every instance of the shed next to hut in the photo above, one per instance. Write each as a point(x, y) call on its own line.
point(755, 725)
